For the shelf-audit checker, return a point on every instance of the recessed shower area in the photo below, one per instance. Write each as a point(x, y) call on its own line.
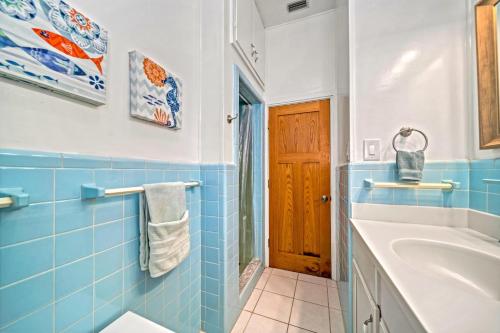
point(250, 170)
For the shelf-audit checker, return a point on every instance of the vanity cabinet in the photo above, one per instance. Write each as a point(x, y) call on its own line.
point(377, 306)
point(248, 36)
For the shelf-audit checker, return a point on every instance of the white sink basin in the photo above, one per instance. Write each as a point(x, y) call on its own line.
point(473, 270)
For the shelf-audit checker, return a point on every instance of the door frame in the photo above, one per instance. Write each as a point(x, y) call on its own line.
point(333, 179)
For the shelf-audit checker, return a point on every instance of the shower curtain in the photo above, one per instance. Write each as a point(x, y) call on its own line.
point(246, 225)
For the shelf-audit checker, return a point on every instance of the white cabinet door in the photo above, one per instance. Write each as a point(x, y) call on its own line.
point(365, 311)
point(243, 29)
point(259, 38)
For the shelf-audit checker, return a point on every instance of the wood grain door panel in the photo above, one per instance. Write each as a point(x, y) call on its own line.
point(299, 176)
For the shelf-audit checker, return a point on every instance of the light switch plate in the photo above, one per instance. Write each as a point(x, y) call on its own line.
point(371, 151)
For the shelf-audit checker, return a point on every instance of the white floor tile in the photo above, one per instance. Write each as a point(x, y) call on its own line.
point(262, 280)
point(274, 306)
point(310, 316)
point(311, 292)
point(331, 283)
point(293, 329)
point(281, 285)
point(282, 272)
point(336, 322)
point(333, 298)
point(312, 279)
point(252, 300)
point(260, 324)
point(241, 323)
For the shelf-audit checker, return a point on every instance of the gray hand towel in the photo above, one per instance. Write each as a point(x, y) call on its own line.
point(164, 227)
point(410, 165)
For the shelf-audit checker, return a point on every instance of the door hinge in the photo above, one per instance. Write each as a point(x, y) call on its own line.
point(268, 242)
point(268, 183)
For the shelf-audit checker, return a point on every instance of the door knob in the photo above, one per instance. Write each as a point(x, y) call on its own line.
point(324, 198)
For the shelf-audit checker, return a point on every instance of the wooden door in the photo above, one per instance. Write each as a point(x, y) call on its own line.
point(299, 149)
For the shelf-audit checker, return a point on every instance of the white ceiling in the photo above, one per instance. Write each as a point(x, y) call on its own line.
point(275, 12)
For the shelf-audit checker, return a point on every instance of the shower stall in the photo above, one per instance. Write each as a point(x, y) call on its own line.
point(250, 172)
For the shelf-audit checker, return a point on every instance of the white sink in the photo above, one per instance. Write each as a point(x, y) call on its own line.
point(473, 270)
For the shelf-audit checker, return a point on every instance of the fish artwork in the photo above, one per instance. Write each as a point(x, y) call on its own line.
point(66, 46)
point(4, 65)
point(32, 74)
point(48, 78)
point(49, 59)
point(13, 63)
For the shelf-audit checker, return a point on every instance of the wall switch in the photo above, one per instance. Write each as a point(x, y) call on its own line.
point(371, 150)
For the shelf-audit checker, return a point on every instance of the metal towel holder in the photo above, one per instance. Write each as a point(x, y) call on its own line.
point(406, 132)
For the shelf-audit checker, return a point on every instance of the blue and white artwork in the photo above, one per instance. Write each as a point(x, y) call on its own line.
point(155, 93)
point(55, 46)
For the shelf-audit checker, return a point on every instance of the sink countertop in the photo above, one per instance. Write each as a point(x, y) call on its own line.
point(439, 305)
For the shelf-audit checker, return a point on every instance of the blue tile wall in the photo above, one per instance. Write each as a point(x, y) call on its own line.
point(474, 192)
point(433, 172)
point(69, 265)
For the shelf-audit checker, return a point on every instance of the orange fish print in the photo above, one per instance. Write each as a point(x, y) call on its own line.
point(66, 46)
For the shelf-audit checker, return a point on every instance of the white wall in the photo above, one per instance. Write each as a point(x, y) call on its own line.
point(300, 59)
point(410, 66)
point(167, 31)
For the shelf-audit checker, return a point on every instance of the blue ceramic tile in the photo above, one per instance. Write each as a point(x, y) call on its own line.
point(73, 214)
point(25, 224)
point(383, 196)
point(135, 296)
point(109, 178)
point(133, 275)
point(108, 209)
point(211, 208)
point(26, 259)
point(153, 285)
point(494, 204)
point(39, 321)
point(432, 176)
point(131, 252)
point(361, 195)
point(84, 325)
point(124, 163)
point(107, 314)
point(456, 199)
point(131, 228)
point(108, 262)
point(25, 297)
point(477, 200)
point(74, 276)
point(211, 224)
point(108, 235)
point(435, 165)
point(212, 270)
point(38, 183)
point(131, 205)
point(430, 198)
point(158, 165)
point(458, 175)
point(85, 162)
point(107, 289)
point(170, 176)
point(211, 286)
point(211, 255)
point(476, 180)
point(405, 197)
point(69, 182)
point(73, 308)
point(154, 176)
point(73, 245)
point(26, 158)
point(482, 164)
point(134, 178)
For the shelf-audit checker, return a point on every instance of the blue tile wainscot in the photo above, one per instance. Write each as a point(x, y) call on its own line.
point(71, 265)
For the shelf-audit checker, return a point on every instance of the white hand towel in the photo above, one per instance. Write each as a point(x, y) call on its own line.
point(164, 227)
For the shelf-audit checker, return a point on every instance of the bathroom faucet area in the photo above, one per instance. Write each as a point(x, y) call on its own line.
point(250, 166)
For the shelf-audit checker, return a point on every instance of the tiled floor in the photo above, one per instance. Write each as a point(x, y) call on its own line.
point(284, 301)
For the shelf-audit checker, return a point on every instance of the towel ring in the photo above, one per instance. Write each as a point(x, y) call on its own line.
point(406, 132)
